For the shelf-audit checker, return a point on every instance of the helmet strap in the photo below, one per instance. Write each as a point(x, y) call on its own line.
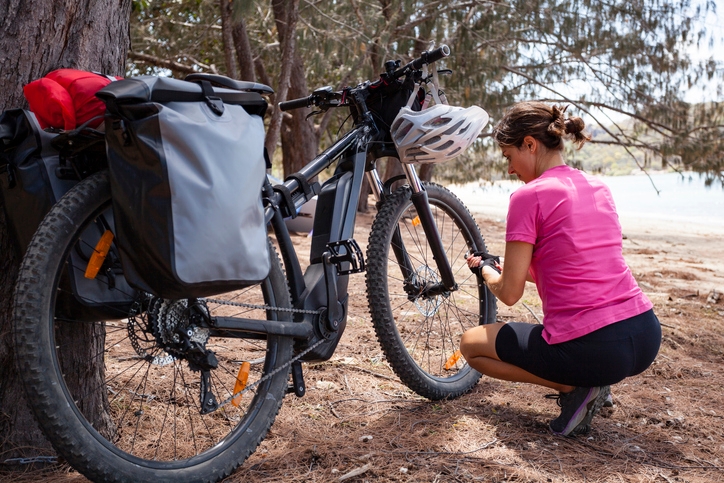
point(435, 93)
point(426, 101)
point(413, 96)
point(438, 94)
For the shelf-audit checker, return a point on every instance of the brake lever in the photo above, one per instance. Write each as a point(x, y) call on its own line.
point(313, 113)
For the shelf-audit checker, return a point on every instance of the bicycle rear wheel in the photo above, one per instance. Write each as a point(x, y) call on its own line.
point(129, 408)
point(419, 334)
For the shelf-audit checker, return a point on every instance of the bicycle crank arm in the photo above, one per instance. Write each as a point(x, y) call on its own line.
point(297, 330)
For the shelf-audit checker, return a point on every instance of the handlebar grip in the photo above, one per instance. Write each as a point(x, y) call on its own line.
point(296, 103)
point(430, 57)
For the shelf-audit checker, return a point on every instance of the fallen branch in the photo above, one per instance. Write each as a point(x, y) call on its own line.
point(356, 472)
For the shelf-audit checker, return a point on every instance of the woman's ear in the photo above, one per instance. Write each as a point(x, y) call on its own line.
point(530, 143)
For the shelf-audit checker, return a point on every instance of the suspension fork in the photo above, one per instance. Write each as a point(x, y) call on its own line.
point(420, 202)
point(398, 248)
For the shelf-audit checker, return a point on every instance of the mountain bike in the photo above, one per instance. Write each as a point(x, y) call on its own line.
point(189, 387)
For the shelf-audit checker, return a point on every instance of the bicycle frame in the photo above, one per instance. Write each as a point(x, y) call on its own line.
point(320, 293)
point(313, 289)
point(310, 290)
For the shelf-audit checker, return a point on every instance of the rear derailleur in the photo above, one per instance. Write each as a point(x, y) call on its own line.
point(180, 328)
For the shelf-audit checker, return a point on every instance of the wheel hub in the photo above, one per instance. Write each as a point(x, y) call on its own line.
point(423, 291)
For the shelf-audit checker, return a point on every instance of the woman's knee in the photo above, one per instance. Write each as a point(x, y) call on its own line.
point(480, 341)
point(467, 344)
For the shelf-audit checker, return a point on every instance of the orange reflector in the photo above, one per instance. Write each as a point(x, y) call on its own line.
point(453, 360)
point(99, 255)
point(416, 221)
point(241, 382)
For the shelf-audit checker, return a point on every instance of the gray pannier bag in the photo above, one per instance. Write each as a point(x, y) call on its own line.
point(187, 167)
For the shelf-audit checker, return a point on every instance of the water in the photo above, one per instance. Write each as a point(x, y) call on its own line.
point(682, 203)
point(680, 199)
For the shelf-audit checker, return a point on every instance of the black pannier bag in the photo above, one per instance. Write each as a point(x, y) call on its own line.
point(37, 167)
point(385, 101)
point(187, 167)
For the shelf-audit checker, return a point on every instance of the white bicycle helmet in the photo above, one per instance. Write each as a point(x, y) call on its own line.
point(436, 134)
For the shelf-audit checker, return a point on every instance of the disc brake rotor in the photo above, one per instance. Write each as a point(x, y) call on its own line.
point(426, 305)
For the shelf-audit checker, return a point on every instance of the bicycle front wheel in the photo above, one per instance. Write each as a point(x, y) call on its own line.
point(419, 333)
point(128, 400)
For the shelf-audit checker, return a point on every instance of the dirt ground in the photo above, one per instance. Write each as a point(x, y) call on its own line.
point(358, 423)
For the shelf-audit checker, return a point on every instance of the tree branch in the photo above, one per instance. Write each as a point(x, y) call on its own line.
point(587, 111)
point(159, 62)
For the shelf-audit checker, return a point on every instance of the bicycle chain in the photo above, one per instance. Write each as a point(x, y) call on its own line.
point(283, 366)
point(136, 345)
point(272, 373)
point(264, 307)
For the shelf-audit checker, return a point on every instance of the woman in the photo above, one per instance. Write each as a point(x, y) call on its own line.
point(562, 234)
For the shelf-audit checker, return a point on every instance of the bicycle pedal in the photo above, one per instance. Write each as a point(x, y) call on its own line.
point(351, 254)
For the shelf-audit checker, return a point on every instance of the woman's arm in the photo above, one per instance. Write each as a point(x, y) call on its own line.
point(508, 286)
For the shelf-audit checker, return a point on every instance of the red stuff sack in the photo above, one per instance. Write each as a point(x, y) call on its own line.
point(65, 98)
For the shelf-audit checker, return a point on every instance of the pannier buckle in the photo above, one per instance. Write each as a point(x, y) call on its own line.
point(216, 104)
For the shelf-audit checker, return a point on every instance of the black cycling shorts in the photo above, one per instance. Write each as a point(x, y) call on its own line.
point(603, 357)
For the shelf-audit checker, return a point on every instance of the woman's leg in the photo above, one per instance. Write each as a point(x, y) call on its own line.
point(578, 404)
point(478, 347)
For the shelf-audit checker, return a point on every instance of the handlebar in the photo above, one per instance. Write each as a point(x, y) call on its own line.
point(296, 103)
point(425, 58)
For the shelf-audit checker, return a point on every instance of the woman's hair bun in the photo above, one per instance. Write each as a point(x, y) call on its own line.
point(557, 126)
point(574, 125)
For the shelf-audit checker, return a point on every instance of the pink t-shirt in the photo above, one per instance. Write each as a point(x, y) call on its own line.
point(570, 219)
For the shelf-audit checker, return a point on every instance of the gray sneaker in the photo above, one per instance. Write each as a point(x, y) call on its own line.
point(577, 410)
point(608, 403)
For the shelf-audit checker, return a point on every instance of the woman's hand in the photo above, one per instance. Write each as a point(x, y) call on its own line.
point(477, 261)
point(474, 262)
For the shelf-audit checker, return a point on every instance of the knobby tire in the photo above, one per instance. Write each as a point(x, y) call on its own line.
point(419, 335)
point(142, 421)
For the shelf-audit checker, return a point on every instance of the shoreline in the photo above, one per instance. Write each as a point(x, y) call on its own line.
point(640, 210)
point(655, 243)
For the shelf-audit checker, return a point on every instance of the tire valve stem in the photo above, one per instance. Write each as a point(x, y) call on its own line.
point(452, 360)
point(240, 383)
point(99, 255)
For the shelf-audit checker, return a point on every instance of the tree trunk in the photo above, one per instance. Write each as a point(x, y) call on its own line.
point(300, 140)
point(36, 37)
point(286, 14)
point(227, 29)
point(425, 171)
point(243, 51)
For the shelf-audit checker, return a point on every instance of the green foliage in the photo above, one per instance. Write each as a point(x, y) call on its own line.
point(187, 32)
point(606, 60)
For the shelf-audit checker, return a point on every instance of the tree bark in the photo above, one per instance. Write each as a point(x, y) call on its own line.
point(243, 50)
point(300, 140)
point(227, 29)
point(286, 13)
point(36, 37)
